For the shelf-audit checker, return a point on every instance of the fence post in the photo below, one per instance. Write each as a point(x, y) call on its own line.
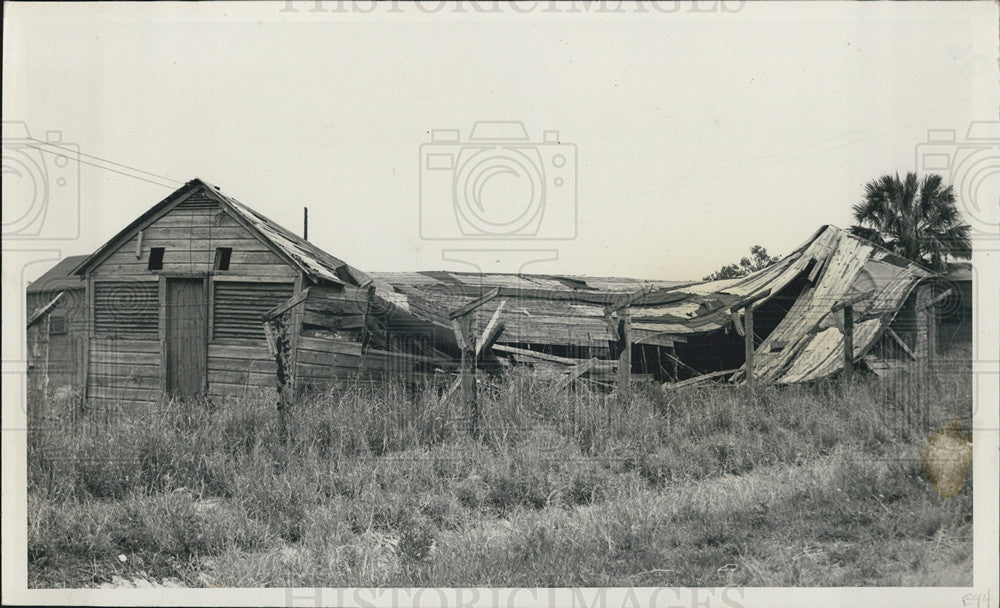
point(467, 341)
point(748, 347)
point(848, 342)
point(625, 360)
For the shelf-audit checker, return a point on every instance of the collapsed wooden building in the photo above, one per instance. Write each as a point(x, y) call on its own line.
point(203, 295)
point(606, 329)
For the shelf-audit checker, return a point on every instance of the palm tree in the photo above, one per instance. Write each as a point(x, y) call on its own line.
point(915, 218)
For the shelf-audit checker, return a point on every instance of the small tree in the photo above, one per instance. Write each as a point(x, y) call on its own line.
point(758, 260)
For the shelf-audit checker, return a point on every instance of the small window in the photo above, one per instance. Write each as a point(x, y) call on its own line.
point(57, 324)
point(156, 258)
point(222, 257)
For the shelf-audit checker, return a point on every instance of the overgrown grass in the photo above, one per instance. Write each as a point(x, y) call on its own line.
point(377, 485)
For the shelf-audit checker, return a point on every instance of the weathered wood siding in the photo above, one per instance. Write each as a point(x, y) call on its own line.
point(126, 351)
point(239, 361)
point(124, 370)
point(129, 309)
point(190, 234)
point(238, 369)
point(56, 345)
point(329, 348)
point(239, 307)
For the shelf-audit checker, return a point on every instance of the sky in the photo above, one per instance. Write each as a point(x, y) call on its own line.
point(685, 138)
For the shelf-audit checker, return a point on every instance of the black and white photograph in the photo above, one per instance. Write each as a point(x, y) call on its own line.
point(477, 303)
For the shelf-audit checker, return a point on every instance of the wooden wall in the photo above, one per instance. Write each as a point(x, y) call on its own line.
point(190, 234)
point(240, 369)
point(56, 345)
point(340, 336)
point(124, 370)
point(126, 350)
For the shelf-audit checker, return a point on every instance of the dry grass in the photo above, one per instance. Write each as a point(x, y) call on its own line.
point(379, 486)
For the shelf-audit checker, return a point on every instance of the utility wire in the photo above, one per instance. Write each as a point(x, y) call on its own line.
point(106, 160)
point(80, 160)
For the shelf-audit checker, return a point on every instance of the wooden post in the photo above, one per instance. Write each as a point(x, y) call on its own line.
point(923, 301)
point(748, 346)
point(848, 342)
point(462, 321)
point(305, 223)
point(468, 371)
point(932, 326)
point(625, 359)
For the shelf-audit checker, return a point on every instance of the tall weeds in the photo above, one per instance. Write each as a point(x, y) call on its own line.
point(377, 483)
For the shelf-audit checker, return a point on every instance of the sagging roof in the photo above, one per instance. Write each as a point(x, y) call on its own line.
point(45, 309)
point(310, 259)
point(60, 277)
point(806, 344)
point(540, 309)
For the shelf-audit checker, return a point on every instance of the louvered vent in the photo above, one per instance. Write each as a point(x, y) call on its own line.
point(239, 307)
point(129, 310)
point(198, 201)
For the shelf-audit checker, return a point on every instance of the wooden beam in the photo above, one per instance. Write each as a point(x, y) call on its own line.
point(287, 304)
point(468, 371)
point(734, 315)
point(848, 341)
point(609, 318)
point(748, 346)
point(456, 327)
point(473, 305)
point(697, 379)
point(628, 300)
point(941, 296)
point(932, 326)
point(493, 330)
point(851, 300)
point(749, 300)
point(271, 337)
point(576, 371)
point(162, 330)
point(625, 360)
point(513, 350)
point(900, 341)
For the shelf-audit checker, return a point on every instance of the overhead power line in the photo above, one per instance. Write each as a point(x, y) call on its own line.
point(48, 149)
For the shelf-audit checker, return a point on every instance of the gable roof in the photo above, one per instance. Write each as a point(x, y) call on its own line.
point(298, 252)
point(60, 277)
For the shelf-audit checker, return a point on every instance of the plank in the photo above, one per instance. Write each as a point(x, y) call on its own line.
point(238, 351)
point(848, 341)
point(285, 306)
point(851, 300)
point(900, 342)
point(492, 331)
point(749, 300)
point(697, 379)
point(577, 371)
point(326, 345)
point(535, 354)
point(748, 346)
point(473, 305)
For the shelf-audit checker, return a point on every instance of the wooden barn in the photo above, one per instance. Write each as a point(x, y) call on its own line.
point(175, 300)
